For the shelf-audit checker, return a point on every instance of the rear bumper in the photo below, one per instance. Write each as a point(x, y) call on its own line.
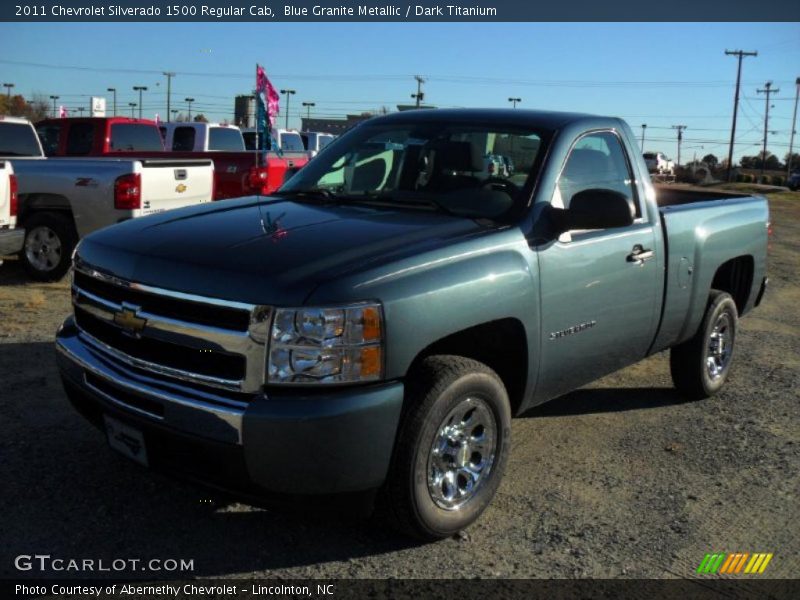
point(11, 241)
point(328, 442)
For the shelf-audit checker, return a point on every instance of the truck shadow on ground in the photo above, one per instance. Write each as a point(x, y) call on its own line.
point(606, 400)
point(68, 495)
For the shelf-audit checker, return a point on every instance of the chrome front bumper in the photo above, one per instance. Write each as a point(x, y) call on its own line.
point(311, 442)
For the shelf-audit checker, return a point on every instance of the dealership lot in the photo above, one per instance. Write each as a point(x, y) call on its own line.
point(619, 479)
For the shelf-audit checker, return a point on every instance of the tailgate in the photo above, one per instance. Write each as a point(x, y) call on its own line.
point(168, 184)
point(5, 194)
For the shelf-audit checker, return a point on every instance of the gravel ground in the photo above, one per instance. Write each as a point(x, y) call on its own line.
point(619, 479)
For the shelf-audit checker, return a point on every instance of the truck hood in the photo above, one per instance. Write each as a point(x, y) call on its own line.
point(263, 250)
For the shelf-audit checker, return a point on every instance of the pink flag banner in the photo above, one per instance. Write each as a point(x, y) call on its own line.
point(268, 93)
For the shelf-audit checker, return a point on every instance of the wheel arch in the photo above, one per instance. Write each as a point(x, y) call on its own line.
point(500, 344)
point(735, 276)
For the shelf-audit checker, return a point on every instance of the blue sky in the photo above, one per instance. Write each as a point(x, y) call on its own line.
point(655, 73)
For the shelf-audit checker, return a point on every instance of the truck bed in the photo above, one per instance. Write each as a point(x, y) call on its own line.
point(669, 195)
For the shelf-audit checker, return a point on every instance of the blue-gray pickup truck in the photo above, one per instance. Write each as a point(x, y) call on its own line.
point(372, 328)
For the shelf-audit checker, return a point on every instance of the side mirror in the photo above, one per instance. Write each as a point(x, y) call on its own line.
point(598, 209)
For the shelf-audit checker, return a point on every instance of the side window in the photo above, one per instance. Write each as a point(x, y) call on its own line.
point(80, 139)
point(183, 139)
point(597, 161)
point(49, 135)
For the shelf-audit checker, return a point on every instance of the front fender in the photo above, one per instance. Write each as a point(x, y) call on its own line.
point(431, 296)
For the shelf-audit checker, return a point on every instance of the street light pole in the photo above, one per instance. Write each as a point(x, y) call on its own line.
point(189, 102)
point(8, 87)
point(644, 126)
point(114, 91)
point(288, 94)
point(308, 106)
point(514, 101)
point(169, 75)
point(132, 105)
point(54, 98)
point(140, 89)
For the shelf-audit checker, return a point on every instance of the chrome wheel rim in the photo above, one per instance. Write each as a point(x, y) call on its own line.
point(462, 454)
point(43, 248)
point(720, 347)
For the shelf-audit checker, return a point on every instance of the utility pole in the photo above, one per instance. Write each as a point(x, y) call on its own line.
point(767, 91)
point(132, 105)
point(288, 94)
point(169, 75)
point(740, 54)
point(644, 126)
point(420, 94)
point(114, 91)
point(8, 87)
point(308, 106)
point(54, 98)
point(680, 129)
point(794, 123)
point(140, 89)
point(189, 103)
point(514, 101)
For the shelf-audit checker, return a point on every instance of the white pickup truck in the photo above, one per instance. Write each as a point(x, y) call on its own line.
point(63, 199)
point(11, 237)
point(202, 137)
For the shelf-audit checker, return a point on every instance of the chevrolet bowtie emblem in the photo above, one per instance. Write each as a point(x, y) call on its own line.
point(129, 321)
point(180, 188)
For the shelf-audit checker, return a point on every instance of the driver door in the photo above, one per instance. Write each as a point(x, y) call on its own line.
point(598, 301)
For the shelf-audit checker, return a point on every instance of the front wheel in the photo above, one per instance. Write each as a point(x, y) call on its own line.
point(452, 447)
point(700, 366)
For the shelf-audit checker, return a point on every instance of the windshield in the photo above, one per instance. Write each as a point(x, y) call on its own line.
point(126, 137)
point(292, 142)
point(18, 139)
point(468, 170)
point(225, 138)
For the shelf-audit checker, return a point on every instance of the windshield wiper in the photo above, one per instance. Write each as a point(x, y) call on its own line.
point(310, 192)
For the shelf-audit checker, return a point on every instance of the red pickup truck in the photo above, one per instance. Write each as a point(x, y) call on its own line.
point(235, 173)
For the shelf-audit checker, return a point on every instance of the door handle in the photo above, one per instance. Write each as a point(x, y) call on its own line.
point(639, 255)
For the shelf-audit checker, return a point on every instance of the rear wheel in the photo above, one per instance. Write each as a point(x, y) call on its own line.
point(700, 365)
point(49, 240)
point(451, 450)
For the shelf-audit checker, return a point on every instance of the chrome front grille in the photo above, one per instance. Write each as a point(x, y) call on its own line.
point(172, 335)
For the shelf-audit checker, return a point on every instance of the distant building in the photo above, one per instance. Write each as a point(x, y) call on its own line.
point(334, 126)
point(244, 111)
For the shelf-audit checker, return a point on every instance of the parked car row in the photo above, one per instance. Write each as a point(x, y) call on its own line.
point(310, 142)
point(58, 181)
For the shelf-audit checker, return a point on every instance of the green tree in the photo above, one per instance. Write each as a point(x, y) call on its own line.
point(711, 160)
point(200, 118)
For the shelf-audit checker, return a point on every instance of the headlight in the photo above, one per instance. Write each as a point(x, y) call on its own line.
point(326, 345)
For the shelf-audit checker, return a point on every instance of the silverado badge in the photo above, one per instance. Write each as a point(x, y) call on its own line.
point(128, 319)
point(180, 188)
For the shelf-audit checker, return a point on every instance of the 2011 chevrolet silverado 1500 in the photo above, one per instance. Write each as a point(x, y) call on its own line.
point(376, 323)
point(62, 199)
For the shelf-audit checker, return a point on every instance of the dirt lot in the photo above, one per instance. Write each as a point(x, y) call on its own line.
point(620, 479)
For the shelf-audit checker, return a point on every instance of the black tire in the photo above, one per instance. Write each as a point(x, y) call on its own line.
point(689, 361)
point(440, 385)
point(43, 226)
